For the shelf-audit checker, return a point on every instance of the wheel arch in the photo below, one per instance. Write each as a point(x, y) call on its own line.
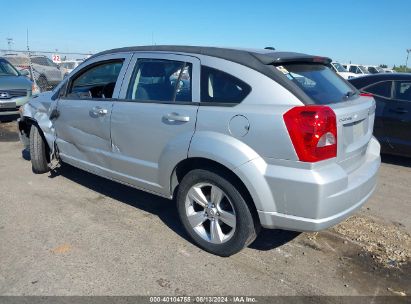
point(189, 164)
point(25, 124)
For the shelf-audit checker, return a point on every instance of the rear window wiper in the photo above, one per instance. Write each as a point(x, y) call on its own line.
point(349, 94)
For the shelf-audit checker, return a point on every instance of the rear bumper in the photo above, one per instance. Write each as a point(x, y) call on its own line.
point(312, 199)
point(290, 222)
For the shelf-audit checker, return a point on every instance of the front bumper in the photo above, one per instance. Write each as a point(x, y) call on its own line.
point(13, 110)
point(312, 199)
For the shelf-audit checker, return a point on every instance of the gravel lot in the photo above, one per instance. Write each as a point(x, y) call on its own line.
point(72, 233)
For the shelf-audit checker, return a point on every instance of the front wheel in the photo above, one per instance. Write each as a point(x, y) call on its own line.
point(214, 213)
point(38, 151)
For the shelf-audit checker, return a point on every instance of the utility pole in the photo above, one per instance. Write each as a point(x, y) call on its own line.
point(406, 61)
point(10, 41)
point(29, 57)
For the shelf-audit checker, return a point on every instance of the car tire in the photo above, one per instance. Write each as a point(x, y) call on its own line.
point(42, 83)
point(229, 218)
point(38, 151)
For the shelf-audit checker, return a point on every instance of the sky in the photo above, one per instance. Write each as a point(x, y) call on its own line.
point(357, 31)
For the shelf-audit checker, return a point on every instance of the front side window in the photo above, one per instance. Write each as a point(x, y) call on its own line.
point(97, 81)
point(403, 90)
point(372, 70)
point(50, 63)
point(362, 69)
point(160, 80)
point(382, 89)
point(218, 86)
point(338, 67)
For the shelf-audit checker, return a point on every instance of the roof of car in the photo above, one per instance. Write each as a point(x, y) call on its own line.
point(384, 76)
point(260, 60)
point(247, 57)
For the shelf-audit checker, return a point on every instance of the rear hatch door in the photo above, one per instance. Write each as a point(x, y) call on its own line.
point(355, 113)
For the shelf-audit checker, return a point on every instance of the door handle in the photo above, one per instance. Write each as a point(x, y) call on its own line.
point(399, 110)
point(176, 117)
point(99, 111)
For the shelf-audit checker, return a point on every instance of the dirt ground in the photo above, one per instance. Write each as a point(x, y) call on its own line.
point(73, 233)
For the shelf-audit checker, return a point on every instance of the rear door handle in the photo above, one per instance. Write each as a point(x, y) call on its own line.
point(99, 111)
point(176, 117)
point(399, 110)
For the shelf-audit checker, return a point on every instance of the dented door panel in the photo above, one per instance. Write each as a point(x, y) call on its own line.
point(83, 135)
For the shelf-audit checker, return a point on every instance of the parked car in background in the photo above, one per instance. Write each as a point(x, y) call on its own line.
point(386, 70)
point(249, 139)
point(15, 90)
point(357, 69)
point(68, 66)
point(392, 93)
point(46, 73)
point(374, 69)
point(340, 70)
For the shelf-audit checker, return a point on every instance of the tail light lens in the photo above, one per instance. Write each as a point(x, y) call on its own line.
point(313, 132)
point(366, 95)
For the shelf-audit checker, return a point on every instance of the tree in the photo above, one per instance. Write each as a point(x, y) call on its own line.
point(384, 66)
point(401, 69)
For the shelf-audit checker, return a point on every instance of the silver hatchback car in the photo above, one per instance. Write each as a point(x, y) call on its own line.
point(242, 139)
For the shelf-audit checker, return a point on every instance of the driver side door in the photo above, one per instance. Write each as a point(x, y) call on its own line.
point(82, 123)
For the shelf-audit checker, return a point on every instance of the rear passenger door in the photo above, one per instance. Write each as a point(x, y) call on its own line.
point(154, 119)
point(398, 117)
point(382, 93)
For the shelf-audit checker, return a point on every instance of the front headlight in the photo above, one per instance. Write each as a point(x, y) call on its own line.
point(35, 90)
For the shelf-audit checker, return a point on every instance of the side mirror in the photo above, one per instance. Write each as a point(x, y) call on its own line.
point(24, 73)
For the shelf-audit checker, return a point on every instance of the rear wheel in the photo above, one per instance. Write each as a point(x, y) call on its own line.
point(38, 151)
point(214, 213)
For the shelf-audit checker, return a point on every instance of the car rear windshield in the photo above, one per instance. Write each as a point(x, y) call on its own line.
point(318, 81)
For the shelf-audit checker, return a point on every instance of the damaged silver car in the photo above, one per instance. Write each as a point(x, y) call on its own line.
point(240, 138)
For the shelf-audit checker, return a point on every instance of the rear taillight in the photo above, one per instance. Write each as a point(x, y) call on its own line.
point(313, 132)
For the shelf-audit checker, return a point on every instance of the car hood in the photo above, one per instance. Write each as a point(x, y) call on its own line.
point(14, 83)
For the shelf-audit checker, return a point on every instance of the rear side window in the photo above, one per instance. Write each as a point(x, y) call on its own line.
point(318, 81)
point(97, 81)
point(218, 86)
point(380, 89)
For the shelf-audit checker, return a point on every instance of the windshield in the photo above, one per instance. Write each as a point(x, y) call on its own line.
point(318, 82)
point(363, 69)
point(6, 69)
point(339, 67)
